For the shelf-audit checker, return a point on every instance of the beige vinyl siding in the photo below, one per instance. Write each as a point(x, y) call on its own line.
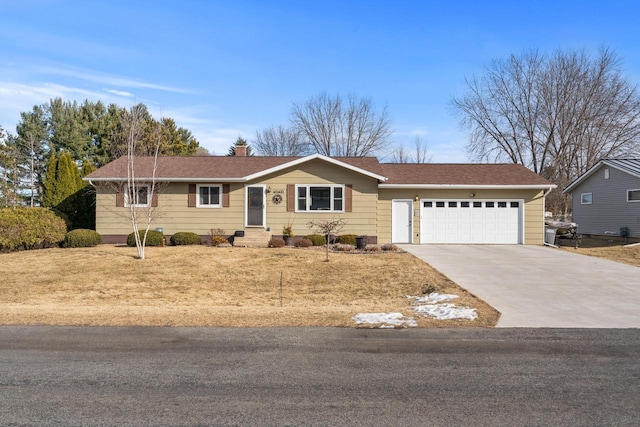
point(361, 220)
point(174, 215)
point(533, 209)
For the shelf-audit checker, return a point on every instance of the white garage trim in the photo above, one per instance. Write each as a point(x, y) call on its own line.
point(476, 221)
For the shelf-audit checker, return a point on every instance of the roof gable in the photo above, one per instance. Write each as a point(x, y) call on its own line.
point(630, 166)
point(224, 168)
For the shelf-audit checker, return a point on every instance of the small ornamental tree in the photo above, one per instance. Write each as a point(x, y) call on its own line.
point(327, 227)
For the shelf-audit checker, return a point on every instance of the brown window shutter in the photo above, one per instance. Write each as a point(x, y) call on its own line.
point(191, 202)
point(225, 195)
point(120, 199)
point(154, 199)
point(348, 191)
point(291, 198)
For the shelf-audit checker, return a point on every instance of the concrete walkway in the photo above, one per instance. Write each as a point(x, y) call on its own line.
point(535, 286)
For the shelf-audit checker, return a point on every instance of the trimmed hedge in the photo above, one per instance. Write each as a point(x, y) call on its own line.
point(276, 242)
point(185, 238)
point(316, 239)
point(81, 238)
point(154, 238)
point(219, 241)
point(30, 228)
point(303, 243)
point(347, 239)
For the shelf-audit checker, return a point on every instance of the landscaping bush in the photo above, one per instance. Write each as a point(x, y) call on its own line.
point(154, 238)
point(30, 228)
point(347, 239)
point(343, 247)
point(276, 242)
point(316, 239)
point(218, 241)
point(303, 243)
point(390, 247)
point(185, 238)
point(81, 238)
point(372, 248)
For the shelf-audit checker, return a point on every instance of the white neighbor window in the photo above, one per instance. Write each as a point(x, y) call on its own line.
point(329, 198)
point(633, 195)
point(142, 198)
point(586, 198)
point(208, 196)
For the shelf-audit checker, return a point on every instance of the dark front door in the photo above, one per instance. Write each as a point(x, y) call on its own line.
point(255, 206)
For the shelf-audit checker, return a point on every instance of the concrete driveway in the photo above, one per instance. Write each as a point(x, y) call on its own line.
point(535, 286)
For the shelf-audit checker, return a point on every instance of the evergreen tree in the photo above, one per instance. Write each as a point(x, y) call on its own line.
point(86, 207)
point(62, 187)
point(12, 171)
point(49, 197)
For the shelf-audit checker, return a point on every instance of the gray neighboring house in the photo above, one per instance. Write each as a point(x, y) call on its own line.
point(606, 198)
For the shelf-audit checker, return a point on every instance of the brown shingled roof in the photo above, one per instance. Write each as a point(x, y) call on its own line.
point(226, 168)
point(213, 167)
point(460, 174)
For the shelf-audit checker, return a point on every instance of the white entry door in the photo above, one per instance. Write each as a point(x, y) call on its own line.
point(401, 215)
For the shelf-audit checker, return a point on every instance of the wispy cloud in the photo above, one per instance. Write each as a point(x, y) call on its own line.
point(20, 97)
point(119, 93)
point(118, 81)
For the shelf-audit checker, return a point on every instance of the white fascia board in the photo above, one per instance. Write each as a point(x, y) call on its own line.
point(467, 187)
point(137, 178)
point(313, 157)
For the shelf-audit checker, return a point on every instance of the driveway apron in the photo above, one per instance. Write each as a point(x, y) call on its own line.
point(536, 286)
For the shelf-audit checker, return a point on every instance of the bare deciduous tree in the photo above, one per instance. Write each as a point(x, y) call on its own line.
point(141, 211)
point(337, 127)
point(419, 154)
point(280, 141)
point(327, 227)
point(557, 115)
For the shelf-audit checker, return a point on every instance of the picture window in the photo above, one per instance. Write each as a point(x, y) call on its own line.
point(328, 198)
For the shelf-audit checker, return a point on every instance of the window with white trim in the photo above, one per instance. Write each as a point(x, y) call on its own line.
point(586, 198)
point(311, 198)
point(137, 196)
point(633, 195)
point(208, 196)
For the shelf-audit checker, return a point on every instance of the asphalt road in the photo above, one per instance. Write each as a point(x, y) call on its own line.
point(318, 376)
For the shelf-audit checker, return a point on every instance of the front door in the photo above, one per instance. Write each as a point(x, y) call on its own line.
point(401, 230)
point(255, 206)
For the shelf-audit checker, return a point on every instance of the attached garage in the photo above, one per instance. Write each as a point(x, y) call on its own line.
point(461, 204)
point(471, 221)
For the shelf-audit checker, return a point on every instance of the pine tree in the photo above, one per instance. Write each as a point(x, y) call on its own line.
point(62, 186)
point(86, 203)
point(48, 199)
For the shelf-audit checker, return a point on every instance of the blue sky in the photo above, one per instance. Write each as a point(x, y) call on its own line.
point(225, 69)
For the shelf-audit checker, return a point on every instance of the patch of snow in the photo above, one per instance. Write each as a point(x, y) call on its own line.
point(446, 311)
point(385, 320)
point(433, 297)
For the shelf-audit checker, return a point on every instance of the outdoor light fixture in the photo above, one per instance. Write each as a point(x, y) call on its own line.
point(472, 195)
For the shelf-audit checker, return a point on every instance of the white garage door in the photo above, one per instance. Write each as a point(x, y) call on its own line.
point(471, 221)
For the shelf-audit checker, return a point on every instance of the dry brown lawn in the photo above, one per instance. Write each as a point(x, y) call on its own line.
point(203, 286)
point(612, 248)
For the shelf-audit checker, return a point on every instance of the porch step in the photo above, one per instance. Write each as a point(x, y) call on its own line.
point(253, 237)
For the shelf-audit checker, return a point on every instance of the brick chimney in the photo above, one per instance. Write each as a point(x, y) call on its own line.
point(241, 150)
